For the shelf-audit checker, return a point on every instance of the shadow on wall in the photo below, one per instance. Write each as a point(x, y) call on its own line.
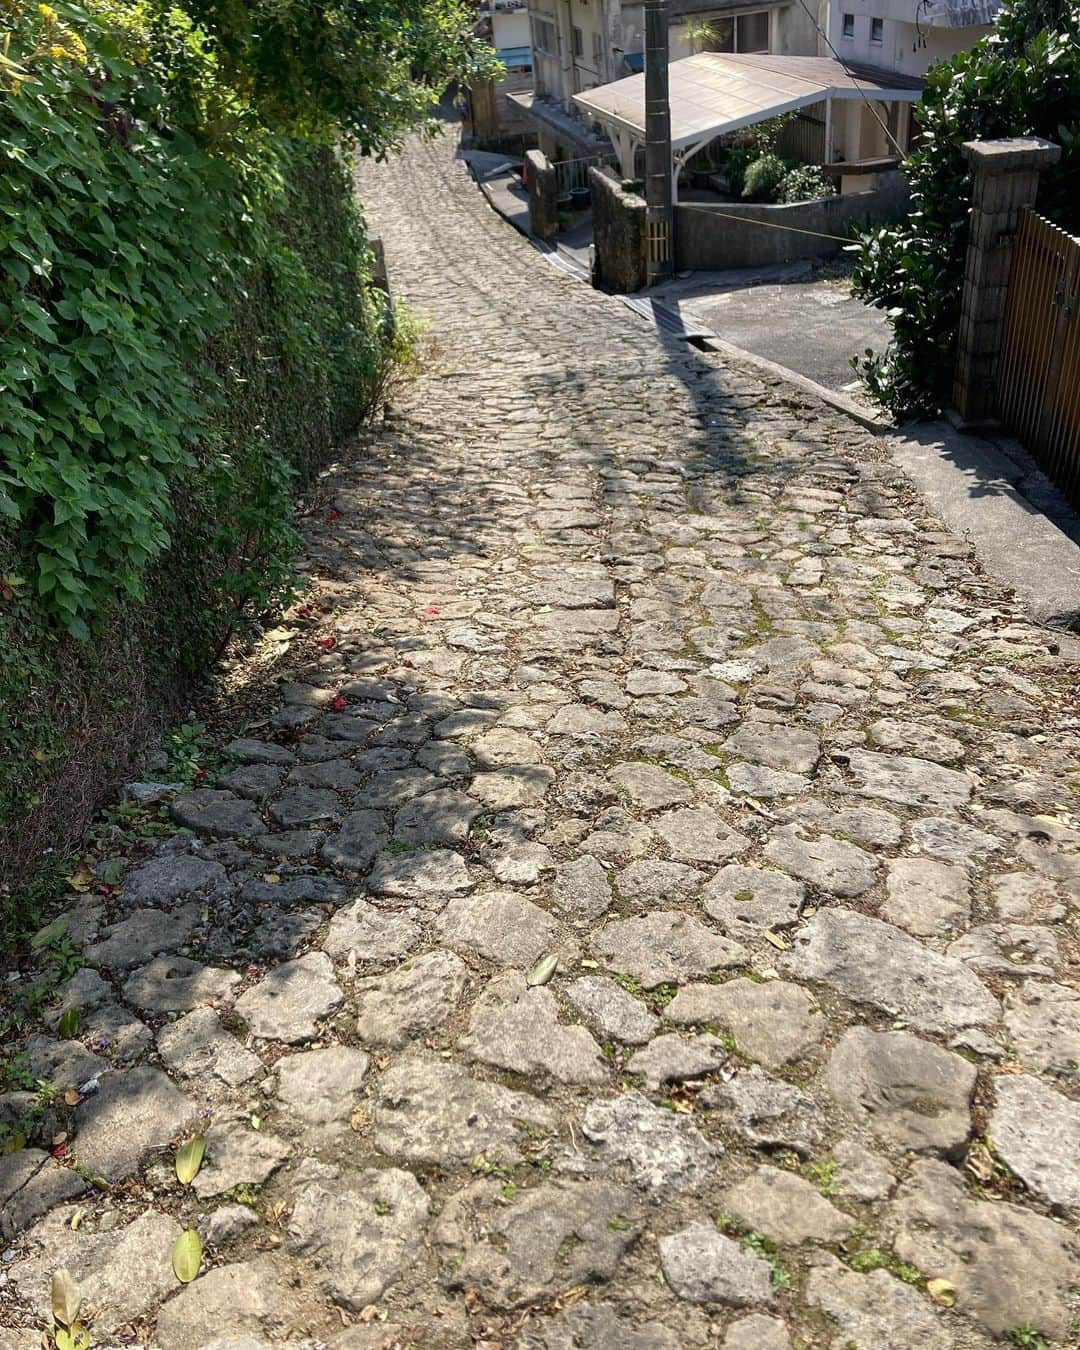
point(737, 234)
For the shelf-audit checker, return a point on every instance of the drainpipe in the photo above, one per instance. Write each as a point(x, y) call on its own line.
point(658, 167)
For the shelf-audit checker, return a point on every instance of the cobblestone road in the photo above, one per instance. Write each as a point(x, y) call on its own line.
point(645, 665)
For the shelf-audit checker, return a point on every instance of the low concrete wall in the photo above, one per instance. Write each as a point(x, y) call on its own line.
point(707, 238)
point(543, 190)
point(618, 235)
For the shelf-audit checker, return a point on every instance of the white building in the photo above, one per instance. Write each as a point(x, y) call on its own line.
point(902, 36)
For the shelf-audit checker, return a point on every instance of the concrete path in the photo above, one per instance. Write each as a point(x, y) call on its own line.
point(642, 917)
point(793, 315)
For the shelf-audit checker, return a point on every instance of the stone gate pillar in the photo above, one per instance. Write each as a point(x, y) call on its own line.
point(1006, 175)
point(543, 193)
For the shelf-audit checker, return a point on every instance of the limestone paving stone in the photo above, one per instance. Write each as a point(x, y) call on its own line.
point(363, 834)
point(656, 882)
point(235, 1306)
point(757, 1332)
point(649, 787)
point(871, 962)
point(125, 1270)
point(1020, 897)
point(64, 1064)
point(518, 1028)
point(774, 1022)
point(908, 1092)
point(116, 1033)
point(697, 834)
point(426, 877)
point(907, 780)
point(175, 876)
point(1036, 1133)
point(1009, 1267)
point(1043, 1023)
point(766, 1112)
point(786, 1208)
point(582, 887)
point(361, 1231)
point(832, 865)
point(198, 1046)
point(665, 947)
point(664, 1153)
point(953, 840)
point(778, 745)
point(431, 1110)
point(288, 1002)
point(133, 1112)
point(320, 1088)
point(613, 1011)
point(925, 897)
point(299, 806)
point(144, 933)
point(599, 1326)
point(253, 781)
point(1013, 949)
point(876, 1311)
point(83, 992)
point(31, 1183)
point(861, 1174)
point(412, 1000)
point(237, 1155)
point(557, 1235)
point(227, 1223)
point(499, 925)
point(702, 1265)
point(747, 899)
point(670, 1058)
point(217, 813)
point(249, 751)
point(175, 984)
point(369, 934)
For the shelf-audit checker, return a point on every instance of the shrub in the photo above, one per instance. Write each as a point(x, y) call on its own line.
point(763, 178)
point(806, 184)
point(1022, 80)
point(187, 332)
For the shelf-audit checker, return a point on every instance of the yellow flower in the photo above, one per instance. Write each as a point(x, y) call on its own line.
point(48, 13)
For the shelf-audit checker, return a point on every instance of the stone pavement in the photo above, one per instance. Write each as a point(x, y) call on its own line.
point(616, 655)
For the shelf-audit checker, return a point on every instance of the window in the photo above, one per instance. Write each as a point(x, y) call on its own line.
point(752, 32)
point(849, 26)
point(877, 30)
point(545, 39)
point(579, 42)
point(597, 50)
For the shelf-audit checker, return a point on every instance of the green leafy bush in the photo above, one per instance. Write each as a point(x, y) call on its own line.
point(763, 177)
point(1022, 80)
point(187, 332)
point(805, 184)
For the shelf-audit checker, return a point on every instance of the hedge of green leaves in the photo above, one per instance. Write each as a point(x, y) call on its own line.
point(187, 330)
point(1023, 80)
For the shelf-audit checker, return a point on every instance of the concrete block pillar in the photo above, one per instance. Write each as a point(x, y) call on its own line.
point(1006, 178)
point(543, 190)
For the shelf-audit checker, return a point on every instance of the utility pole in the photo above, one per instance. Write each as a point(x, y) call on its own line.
point(658, 211)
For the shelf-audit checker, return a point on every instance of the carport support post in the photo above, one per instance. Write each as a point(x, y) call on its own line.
point(658, 166)
point(1006, 175)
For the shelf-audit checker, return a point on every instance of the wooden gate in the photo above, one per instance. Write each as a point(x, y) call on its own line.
point(1039, 370)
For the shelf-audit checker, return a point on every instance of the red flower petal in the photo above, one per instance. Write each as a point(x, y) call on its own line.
point(340, 703)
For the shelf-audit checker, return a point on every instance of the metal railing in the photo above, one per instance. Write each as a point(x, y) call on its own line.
point(574, 173)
